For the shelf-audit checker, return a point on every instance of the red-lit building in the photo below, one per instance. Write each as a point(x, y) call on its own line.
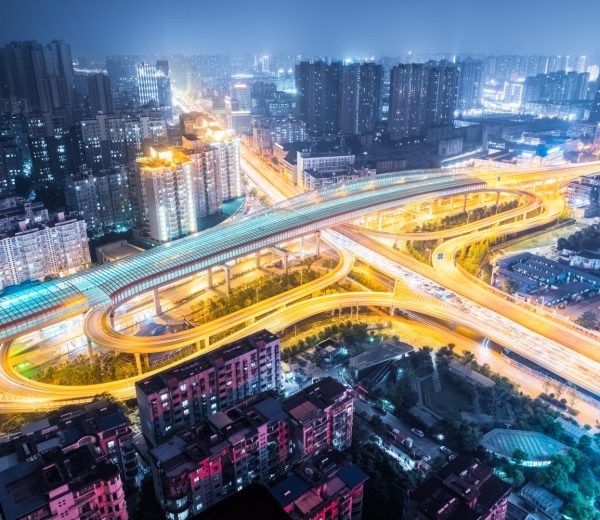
point(102, 424)
point(325, 486)
point(464, 489)
point(186, 395)
point(320, 417)
point(246, 443)
point(80, 483)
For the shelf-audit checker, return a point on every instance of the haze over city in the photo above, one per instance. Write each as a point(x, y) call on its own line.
point(307, 261)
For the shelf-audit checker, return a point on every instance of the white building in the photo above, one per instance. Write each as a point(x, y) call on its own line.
point(312, 166)
point(166, 190)
point(54, 249)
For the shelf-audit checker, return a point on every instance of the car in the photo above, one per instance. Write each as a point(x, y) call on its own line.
point(418, 433)
point(446, 450)
point(426, 458)
point(452, 456)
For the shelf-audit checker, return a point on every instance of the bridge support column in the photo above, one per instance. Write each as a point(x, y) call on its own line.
point(301, 246)
point(379, 219)
point(210, 277)
point(285, 264)
point(202, 343)
point(227, 278)
point(465, 203)
point(157, 305)
point(90, 350)
point(318, 243)
point(258, 259)
point(138, 363)
point(392, 311)
point(111, 319)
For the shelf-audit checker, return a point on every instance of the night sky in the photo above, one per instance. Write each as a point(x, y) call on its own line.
point(311, 27)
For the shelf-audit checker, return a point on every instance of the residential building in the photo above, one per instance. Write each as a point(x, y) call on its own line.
point(114, 140)
point(42, 75)
point(318, 102)
point(310, 180)
point(100, 93)
point(470, 84)
point(186, 395)
point(63, 486)
point(422, 96)
point(147, 84)
point(464, 489)
point(360, 100)
point(325, 486)
point(321, 163)
point(165, 194)
point(595, 109)
point(102, 424)
point(243, 444)
point(321, 417)
point(556, 87)
point(101, 198)
point(11, 163)
point(14, 210)
point(227, 144)
point(40, 250)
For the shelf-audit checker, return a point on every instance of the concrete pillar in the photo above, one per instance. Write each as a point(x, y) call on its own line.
point(201, 344)
point(392, 311)
point(138, 363)
point(379, 219)
point(111, 319)
point(258, 259)
point(465, 203)
point(301, 246)
point(285, 263)
point(157, 305)
point(210, 277)
point(227, 278)
point(90, 350)
point(318, 243)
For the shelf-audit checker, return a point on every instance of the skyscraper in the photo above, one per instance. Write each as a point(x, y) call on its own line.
point(318, 85)
point(470, 83)
point(595, 110)
point(422, 96)
point(42, 75)
point(360, 97)
point(147, 84)
point(100, 93)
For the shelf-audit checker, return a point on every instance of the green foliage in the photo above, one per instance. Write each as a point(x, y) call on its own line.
point(106, 367)
point(589, 320)
point(587, 238)
point(421, 249)
point(464, 217)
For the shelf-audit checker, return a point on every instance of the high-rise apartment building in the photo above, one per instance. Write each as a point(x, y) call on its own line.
point(361, 85)
point(42, 75)
point(113, 140)
point(101, 198)
point(422, 96)
point(102, 424)
point(100, 93)
point(556, 87)
point(45, 249)
point(187, 394)
point(470, 84)
point(240, 92)
point(227, 144)
point(319, 89)
point(325, 486)
point(147, 84)
point(243, 444)
point(63, 485)
point(595, 109)
point(321, 417)
point(165, 193)
point(464, 488)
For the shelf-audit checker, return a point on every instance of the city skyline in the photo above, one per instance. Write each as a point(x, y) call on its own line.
point(387, 28)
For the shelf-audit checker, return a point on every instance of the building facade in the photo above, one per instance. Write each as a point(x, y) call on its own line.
point(187, 394)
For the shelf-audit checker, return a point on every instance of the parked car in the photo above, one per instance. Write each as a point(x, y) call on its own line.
point(418, 433)
point(446, 450)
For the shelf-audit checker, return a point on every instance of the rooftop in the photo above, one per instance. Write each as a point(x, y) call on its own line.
point(539, 448)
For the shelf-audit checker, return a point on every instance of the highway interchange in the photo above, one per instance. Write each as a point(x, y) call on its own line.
point(441, 290)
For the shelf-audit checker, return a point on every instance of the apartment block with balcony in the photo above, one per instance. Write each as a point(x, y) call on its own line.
point(186, 395)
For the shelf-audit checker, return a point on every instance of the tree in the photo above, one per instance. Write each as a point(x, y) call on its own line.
point(468, 358)
point(519, 456)
point(588, 320)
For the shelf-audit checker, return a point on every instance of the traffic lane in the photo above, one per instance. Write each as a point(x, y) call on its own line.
point(423, 445)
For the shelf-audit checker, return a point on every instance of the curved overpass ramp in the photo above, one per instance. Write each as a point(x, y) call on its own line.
point(115, 283)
